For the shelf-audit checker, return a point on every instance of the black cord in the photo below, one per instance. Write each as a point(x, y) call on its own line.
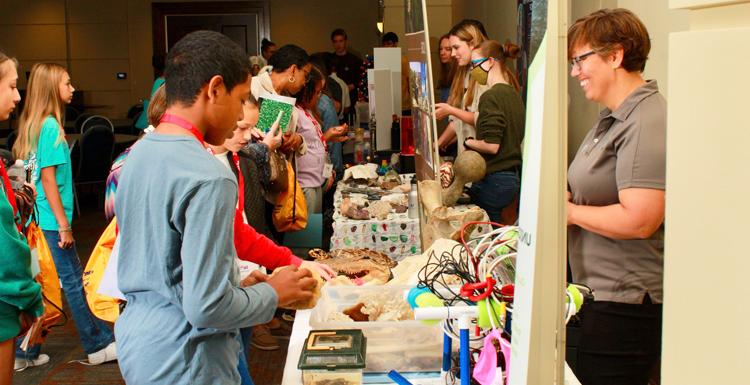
point(438, 270)
point(64, 315)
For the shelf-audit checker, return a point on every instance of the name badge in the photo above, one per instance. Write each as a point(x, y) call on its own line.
point(327, 170)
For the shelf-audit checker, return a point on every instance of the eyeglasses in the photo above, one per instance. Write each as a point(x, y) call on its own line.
point(576, 61)
point(477, 62)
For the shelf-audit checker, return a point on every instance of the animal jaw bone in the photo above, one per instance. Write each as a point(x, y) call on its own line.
point(365, 264)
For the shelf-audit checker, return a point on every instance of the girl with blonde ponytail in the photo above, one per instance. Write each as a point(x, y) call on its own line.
point(41, 144)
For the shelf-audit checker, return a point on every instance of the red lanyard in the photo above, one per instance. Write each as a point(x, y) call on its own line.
point(8, 188)
point(240, 185)
point(317, 128)
point(176, 120)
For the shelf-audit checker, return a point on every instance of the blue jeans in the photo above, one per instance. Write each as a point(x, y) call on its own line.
point(243, 367)
point(495, 191)
point(94, 333)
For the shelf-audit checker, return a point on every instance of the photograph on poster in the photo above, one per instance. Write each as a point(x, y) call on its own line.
point(418, 85)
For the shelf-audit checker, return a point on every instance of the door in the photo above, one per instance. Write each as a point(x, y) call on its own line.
point(246, 23)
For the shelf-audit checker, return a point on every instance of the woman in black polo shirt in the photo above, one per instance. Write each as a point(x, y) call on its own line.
point(500, 129)
point(616, 208)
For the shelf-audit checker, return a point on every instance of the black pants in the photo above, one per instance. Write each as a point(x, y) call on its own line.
point(616, 343)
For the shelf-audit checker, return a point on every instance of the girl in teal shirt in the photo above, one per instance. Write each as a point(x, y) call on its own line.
point(41, 144)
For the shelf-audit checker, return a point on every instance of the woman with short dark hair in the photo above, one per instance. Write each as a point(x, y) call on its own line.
point(616, 208)
point(286, 74)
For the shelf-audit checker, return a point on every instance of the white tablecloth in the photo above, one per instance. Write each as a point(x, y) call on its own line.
point(398, 236)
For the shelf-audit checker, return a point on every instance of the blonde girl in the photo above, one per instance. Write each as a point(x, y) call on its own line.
point(465, 92)
point(41, 144)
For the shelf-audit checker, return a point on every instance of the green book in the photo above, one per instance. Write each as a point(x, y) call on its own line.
point(270, 107)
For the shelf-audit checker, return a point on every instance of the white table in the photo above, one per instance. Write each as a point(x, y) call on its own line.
point(300, 329)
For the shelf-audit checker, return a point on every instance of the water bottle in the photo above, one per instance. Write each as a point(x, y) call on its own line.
point(395, 134)
point(413, 199)
point(373, 133)
point(17, 175)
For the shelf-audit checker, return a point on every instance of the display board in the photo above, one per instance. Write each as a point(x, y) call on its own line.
point(426, 156)
point(538, 328)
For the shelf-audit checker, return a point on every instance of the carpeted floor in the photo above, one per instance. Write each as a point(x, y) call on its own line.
point(63, 345)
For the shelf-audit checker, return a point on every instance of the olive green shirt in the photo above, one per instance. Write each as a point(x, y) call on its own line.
point(625, 149)
point(501, 121)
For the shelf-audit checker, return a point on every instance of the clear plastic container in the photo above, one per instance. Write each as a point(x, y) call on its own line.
point(327, 377)
point(406, 346)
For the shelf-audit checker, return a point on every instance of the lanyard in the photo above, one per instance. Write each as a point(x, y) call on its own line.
point(317, 129)
point(176, 120)
point(240, 185)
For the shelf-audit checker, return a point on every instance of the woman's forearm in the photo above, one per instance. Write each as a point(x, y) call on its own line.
point(638, 215)
point(465, 116)
point(482, 146)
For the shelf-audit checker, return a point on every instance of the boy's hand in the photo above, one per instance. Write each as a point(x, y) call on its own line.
point(292, 284)
point(255, 277)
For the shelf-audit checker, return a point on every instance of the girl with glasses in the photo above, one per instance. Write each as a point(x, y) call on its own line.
point(499, 130)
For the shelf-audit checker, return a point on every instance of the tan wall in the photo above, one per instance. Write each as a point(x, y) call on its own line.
point(660, 22)
point(705, 254)
point(309, 23)
point(498, 16)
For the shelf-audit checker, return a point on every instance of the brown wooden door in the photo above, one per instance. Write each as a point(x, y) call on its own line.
point(246, 23)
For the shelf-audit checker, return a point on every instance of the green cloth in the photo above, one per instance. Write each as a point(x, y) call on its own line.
point(18, 290)
point(52, 151)
point(142, 121)
point(501, 121)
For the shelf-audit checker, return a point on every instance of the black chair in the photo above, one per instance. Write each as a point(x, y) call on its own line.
point(94, 158)
point(71, 113)
point(135, 110)
point(79, 122)
point(96, 120)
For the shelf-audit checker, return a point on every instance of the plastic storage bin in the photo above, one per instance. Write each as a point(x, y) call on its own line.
point(406, 346)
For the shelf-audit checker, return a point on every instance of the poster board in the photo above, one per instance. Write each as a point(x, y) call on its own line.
point(380, 89)
point(390, 58)
point(421, 90)
point(538, 328)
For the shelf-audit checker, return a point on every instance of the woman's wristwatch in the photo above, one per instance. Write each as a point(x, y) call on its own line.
point(465, 139)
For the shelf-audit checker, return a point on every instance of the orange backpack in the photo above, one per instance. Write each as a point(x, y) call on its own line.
point(103, 306)
point(47, 276)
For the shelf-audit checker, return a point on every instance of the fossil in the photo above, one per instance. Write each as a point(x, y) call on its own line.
point(364, 264)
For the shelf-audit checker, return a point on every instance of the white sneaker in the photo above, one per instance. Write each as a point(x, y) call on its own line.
point(23, 363)
point(105, 355)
